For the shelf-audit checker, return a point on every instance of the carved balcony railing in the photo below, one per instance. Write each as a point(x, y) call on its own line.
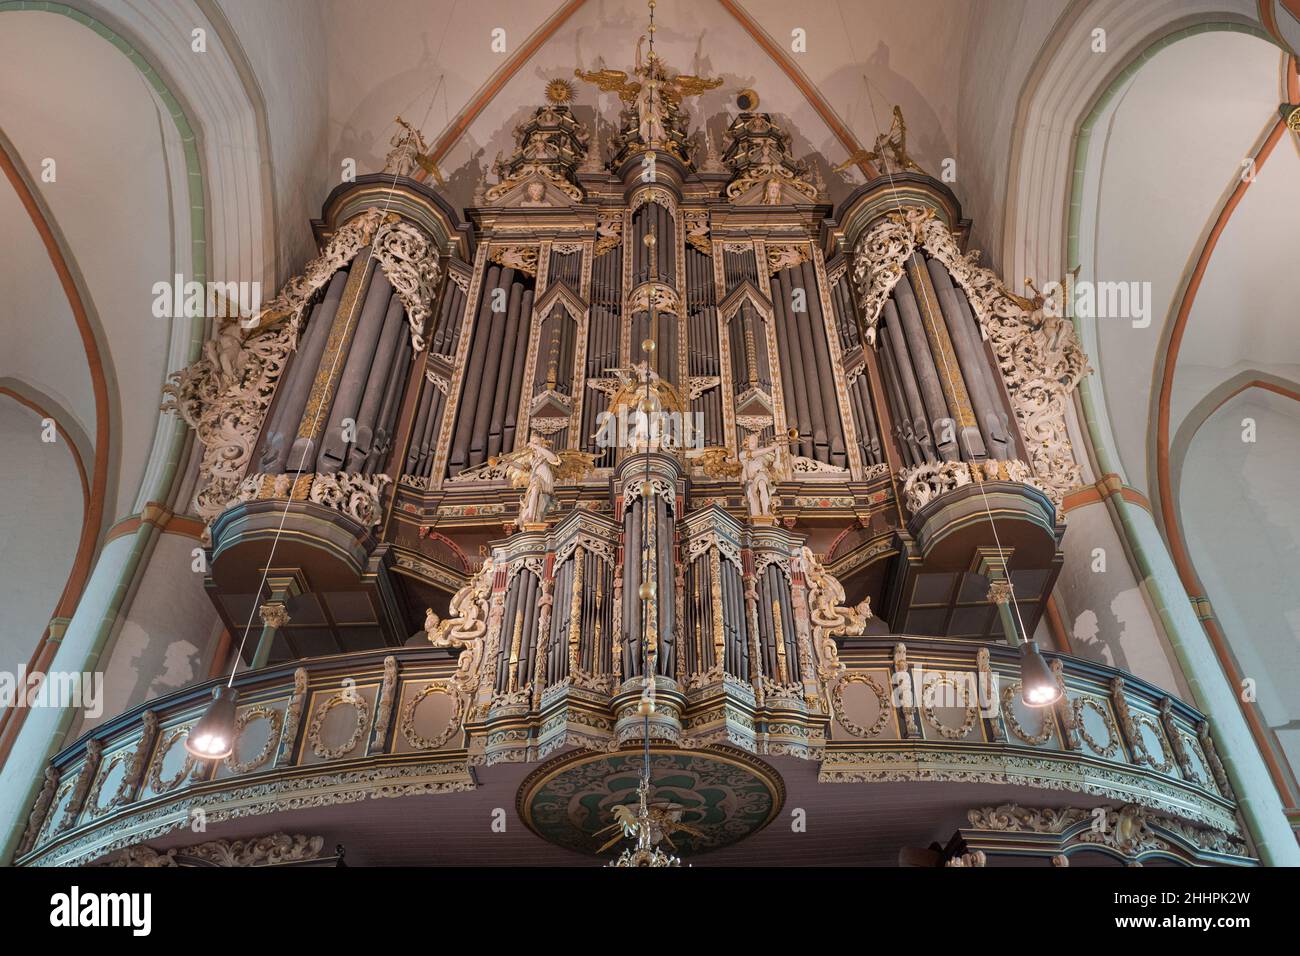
point(371, 725)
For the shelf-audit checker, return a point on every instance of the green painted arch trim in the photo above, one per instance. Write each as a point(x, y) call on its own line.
point(1167, 595)
point(1083, 136)
point(142, 546)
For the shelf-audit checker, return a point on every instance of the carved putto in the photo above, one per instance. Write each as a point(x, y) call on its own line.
point(465, 627)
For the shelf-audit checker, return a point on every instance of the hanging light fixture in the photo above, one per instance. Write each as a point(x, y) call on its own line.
point(1038, 686)
point(213, 737)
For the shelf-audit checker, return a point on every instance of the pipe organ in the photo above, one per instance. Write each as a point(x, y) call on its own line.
point(650, 476)
point(649, 423)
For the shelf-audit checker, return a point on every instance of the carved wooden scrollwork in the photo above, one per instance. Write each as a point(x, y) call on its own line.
point(407, 724)
point(1111, 746)
point(928, 707)
point(258, 712)
point(156, 782)
point(882, 698)
point(363, 720)
point(1009, 692)
point(1040, 358)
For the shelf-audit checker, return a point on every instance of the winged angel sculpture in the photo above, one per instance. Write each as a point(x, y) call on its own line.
point(654, 95)
point(890, 152)
point(536, 468)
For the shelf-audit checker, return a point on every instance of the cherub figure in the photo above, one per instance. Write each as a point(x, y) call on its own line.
point(225, 354)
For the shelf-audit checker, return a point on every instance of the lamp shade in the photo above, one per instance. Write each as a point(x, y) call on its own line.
point(213, 737)
point(1038, 687)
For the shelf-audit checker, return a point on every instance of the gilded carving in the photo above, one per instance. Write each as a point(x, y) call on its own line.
point(407, 723)
point(269, 850)
point(358, 496)
point(225, 407)
point(882, 701)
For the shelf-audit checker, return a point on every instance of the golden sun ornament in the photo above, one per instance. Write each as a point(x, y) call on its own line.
point(559, 91)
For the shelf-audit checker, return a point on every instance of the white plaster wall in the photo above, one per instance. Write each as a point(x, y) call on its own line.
point(1241, 518)
point(286, 46)
point(68, 94)
point(1168, 154)
point(40, 523)
point(1106, 611)
point(46, 353)
point(168, 637)
point(1002, 40)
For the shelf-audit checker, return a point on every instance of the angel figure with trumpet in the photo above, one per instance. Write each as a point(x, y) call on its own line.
point(890, 150)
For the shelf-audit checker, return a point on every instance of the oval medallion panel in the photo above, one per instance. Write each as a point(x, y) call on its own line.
point(724, 793)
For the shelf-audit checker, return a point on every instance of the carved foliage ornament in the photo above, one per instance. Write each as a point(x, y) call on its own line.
point(409, 261)
point(785, 255)
point(225, 407)
point(348, 696)
point(260, 851)
point(521, 258)
point(927, 481)
point(355, 495)
point(408, 258)
point(225, 394)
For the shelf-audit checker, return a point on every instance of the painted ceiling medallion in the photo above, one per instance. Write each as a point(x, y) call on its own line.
point(723, 794)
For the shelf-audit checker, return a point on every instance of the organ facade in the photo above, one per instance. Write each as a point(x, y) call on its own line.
point(650, 443)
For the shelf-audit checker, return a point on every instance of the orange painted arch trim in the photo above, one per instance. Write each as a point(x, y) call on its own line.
point(94, 514)
point(1105, 487)
point(1283, 779)
point(67, 598)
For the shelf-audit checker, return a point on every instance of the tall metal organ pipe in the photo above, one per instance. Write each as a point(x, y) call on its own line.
point(490, 370)
point(381, 373)
point(293, 391)
point(342, 420)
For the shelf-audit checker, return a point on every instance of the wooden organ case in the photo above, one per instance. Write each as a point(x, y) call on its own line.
point(396, 385)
